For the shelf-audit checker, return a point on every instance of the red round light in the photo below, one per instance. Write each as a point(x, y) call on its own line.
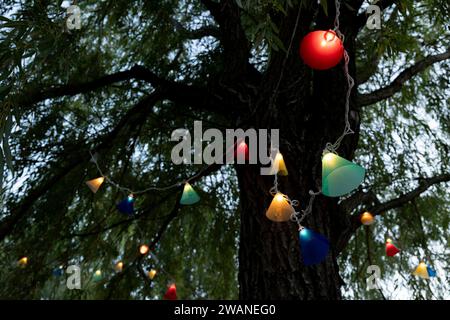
point(321, 50)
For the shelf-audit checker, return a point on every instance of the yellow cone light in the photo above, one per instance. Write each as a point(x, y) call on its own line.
point(421, 271)
point(280, 209)
point(340, 176)
point(95, 184)
point(278, 166)
point(119, 266)
point(367, 218)
point(23, 262)
point(152, 274)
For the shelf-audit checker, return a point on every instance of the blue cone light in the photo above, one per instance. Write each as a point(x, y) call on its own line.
point(126, 205)
point(314, 246)
point(58, 272)
point(189, 195)
point(340, 176)
point(431, 272)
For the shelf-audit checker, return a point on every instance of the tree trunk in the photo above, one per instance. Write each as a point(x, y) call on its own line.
point(309, 110)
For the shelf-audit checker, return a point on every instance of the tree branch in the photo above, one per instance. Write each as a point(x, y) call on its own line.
point(232, 36)
point(194, 96)
point(424, 185)
point(377, 209)
point(132, 117)
point(397, 84)
point(97, 229)
point(358, 198)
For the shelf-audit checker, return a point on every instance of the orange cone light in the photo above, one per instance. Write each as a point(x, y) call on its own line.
point(95, 184)
point(367, 218)
point(143, 249)
point(280, 209)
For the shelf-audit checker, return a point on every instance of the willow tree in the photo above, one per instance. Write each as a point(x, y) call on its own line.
point(136, 70)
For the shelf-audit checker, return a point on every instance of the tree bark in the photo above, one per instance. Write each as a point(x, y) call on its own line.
point(309, 110)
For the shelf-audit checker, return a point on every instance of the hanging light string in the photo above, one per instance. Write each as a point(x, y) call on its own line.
point(298, 217)
point(274, 190)
point(350, 83)
point(126, 189)
point(153, 188)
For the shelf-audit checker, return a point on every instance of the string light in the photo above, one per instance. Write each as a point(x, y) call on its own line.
point(280, 209)
point(97, 275)
point(339, 176)
point(278, 166)
point(152, 274)
point(58, 272)
point(95, 184)
point(431, 272)
point(321, 49)
point(23, 262)
point(126, 205)
point(367, 218)
point(171, 293)
point(242, 152)
point(189, 195)
point(313, 246)
point(391, 249)
point(144, 249)
point(119, 266)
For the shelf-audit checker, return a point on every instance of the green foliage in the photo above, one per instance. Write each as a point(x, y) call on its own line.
point(402, 139)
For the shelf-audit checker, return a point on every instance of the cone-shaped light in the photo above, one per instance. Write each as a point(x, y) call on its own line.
point(22, 262)
point(58, 272)
point(242, 151)
point(94, 184)
point(367, 218)
point(340, 176)
point(313, 246)
point(431, 272)
point(126, 205)
point(152, 274)
point(421, 271)
point(97, 275)
point(119, 266)
point(171, 293)
point(391, 250)
point(278, 166)
point(189, 195)
point(280, 209)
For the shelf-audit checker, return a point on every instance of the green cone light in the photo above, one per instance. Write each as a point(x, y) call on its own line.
point(339, 176)
point(189, 195)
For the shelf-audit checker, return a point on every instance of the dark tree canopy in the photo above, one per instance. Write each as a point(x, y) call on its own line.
point(137, 70)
